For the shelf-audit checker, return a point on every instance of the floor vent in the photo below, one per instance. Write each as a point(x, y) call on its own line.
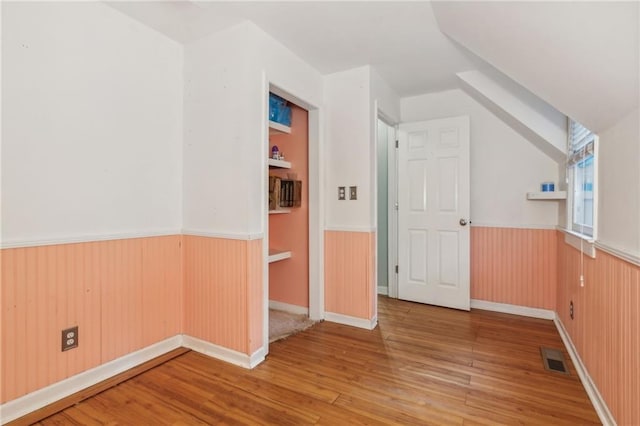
point(553, 360)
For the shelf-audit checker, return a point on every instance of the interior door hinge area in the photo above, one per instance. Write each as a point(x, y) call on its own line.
point(396, 143)
point(396, 269)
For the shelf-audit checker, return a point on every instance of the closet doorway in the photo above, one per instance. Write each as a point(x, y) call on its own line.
point(293, 242)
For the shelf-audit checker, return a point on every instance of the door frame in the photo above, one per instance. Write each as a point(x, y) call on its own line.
point(392, 194)
point(316, 205)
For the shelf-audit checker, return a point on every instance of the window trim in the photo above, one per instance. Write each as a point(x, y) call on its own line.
point(571, 227)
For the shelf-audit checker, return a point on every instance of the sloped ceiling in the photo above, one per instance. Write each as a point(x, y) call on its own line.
point(580, 57)
point(400, 39)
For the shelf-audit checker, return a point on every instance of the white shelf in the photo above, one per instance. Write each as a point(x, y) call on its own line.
point(281, 164)
point(277, 128)
point(278, 255)
point(551, 195)
point(279, 211)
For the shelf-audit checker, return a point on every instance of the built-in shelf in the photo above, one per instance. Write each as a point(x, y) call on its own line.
point(278, 255)
point(277, 128)
point(280, 211)
point(279, 164)
point(551, 195)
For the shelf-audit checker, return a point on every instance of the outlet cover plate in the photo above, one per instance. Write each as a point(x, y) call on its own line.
point(353, 192)
point(69, 338)
point(342, 193)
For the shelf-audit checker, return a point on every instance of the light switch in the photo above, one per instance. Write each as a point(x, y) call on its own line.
point(342, 193)
point(353, 192)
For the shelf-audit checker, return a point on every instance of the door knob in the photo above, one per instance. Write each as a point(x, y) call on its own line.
point(463, 222)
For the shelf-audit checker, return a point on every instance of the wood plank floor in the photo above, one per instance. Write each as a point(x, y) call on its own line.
point(421, 365)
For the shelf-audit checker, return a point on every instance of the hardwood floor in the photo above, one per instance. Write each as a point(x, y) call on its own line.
point(421, 365)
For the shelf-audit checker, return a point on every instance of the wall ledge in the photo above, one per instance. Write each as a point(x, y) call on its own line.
point(33, 401)
point(351, 228)
point(351, 321)
point(512, 226)
point(592, 391)
point(506, 308)
point(621, 254)
point(88, 238)
point(224, 235)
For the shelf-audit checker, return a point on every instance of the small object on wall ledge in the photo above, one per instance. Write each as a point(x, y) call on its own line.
point(547, 195)
point(547, 186)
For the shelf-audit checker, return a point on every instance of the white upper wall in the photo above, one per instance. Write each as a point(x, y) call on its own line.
point(619, 180)
point(92, 124)
point(349, 149)
point(581, 57)
point(504, 165)
point(225, 139)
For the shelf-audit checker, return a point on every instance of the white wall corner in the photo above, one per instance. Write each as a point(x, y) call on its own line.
point(537, 121)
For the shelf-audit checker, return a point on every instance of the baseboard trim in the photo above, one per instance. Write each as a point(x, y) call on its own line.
point(506, 308)
point(287, 307)
point(36, 400)
point(594, 395)
point(224, 354)
point(383, 290)
point(351, 321)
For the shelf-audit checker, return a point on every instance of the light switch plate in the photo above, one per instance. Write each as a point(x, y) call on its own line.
point(342, 193)
point(353, 192)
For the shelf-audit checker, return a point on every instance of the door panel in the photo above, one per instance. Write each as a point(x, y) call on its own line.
point(433, 196)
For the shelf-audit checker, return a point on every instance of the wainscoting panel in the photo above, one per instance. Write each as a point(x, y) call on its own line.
point(349, 273)
point(514, 266)
point(606, 324)
point(222, 282)
point(122, 294)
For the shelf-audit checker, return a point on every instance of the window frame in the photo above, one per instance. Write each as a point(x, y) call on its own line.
point(574, 228)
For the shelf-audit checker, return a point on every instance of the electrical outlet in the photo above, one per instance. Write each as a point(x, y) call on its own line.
point(571, 309)
point(69, 338)
point(353, 192)
point(342, 195)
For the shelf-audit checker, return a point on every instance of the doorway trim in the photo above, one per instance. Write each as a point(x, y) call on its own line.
point(392, 194)
point(316, 204)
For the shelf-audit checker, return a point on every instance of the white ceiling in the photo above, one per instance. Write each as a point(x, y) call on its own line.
point(400, 39)
point(581, 57)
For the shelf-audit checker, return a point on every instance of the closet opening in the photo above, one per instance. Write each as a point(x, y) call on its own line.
point(293, 241)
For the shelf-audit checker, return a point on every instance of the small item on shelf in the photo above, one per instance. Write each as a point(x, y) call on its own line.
point(278, 110)
point(547, 187)
point(281, 156)
point(275, 152)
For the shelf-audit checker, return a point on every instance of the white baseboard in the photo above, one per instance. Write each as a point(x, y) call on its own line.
point(506, 308)
point(42, 397)
point(257, 357)
point(352, 321)
point(594, 395)
point(384, 290)
point(287, 307)
point(222, 353)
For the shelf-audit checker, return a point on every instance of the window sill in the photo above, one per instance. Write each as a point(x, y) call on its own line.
point(580, 242)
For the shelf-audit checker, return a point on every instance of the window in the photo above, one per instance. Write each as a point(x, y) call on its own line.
point(581, 176)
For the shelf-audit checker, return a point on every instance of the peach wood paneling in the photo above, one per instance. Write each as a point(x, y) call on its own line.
point(221, 284)
point(122, 294)
point(514, 266)
point(289, 279)
point(606, 325)
point(350, 273)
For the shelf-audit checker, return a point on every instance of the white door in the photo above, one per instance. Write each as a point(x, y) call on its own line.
point(433, 212)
